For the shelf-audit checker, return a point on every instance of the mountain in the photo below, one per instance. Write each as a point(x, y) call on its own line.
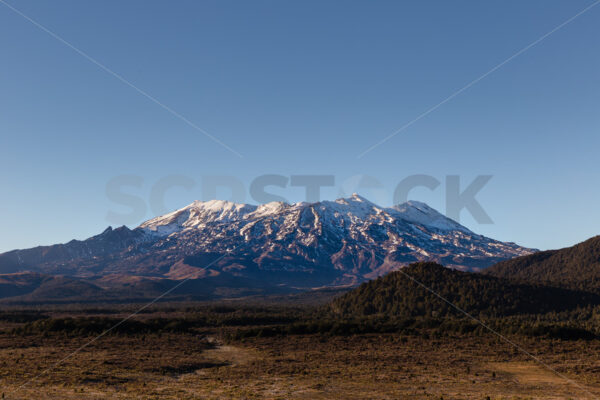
point(576, 267)
point(396, 295)
point(275, 245)
point(103, 246)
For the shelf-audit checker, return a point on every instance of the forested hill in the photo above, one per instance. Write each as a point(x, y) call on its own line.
point(396, 295)
point(576, 267)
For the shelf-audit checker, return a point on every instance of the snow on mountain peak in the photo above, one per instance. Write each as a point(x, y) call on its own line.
point(420, 213)
point(357, 197)
point(271, 208)
point(196, 214)
point(357, 208)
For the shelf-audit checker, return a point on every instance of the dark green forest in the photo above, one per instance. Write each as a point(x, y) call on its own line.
point(397, 295)
point(576, 267)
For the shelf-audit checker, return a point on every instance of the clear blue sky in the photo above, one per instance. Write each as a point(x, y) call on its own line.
point(300, 88)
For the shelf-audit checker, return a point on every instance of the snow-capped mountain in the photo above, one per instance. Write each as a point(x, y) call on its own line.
point(345, 241)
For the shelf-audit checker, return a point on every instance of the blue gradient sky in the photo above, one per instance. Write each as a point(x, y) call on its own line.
point(300, 88)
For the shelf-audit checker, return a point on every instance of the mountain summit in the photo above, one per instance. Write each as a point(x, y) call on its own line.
point(301, 245)
point(200, 214)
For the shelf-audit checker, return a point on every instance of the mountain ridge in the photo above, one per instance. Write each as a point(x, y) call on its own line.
point(299, 245)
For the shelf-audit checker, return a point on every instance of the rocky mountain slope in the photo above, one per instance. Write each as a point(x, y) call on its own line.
point(299, 245)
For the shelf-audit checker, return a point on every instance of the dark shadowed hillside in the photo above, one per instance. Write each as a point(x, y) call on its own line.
point(397, 295)
point(576, 267)
point(36, 288)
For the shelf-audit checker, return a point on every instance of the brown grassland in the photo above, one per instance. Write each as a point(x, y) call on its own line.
point(213, 362)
